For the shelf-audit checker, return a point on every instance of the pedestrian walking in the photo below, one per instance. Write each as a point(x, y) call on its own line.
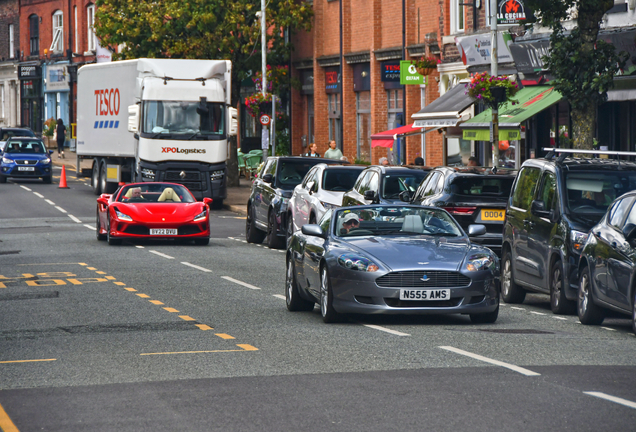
point(333, 152)
point(60, 136)
point(313, 151)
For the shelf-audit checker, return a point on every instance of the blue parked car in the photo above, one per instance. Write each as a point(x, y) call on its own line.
point(25, 157)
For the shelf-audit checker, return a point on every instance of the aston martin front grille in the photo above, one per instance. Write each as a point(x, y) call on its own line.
point(423, 279)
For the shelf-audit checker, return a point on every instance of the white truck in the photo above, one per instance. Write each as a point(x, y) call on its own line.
point(156, 120)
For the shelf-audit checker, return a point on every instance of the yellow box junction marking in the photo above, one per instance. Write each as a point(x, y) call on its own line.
point(5, 422)
point(247, 347)
point(225, 336)
point(204, 327)
point(130, 289)
point(119, 283)
point(157, 302)
point(81, 281)
point(143, 295)
point(244, 347)
point(83, 264)
point(111, 277)
point(169, 309)
point(100, 272)
point(186, 318)
point(91, 268)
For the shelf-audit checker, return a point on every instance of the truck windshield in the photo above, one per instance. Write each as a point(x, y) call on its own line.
point(188, 118)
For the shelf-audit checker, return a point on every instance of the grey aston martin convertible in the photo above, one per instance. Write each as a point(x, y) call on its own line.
point(391, 259)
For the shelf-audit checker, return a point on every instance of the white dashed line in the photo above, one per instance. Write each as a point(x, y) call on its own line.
point(386, 330)
point(512, 367)
point(38, 195)
point(244, 241)
point(281, 251)
point(161, 254)
point(139, 247)
point(197, 267)
point(560, 318)
point(26, 188)
point(607, 328)
point(516, 308)
point(90, 227)
point(50, 202)
point(614, 399)
point(537, 313)
point(74, 218)
point(60, 209)
point(240, 283)
point(280, 296)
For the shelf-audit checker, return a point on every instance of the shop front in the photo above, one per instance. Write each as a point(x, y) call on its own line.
point(31, 96)
point(9, 97)
point(56, 93)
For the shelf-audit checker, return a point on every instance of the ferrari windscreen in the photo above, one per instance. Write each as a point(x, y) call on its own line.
point(395, 220)
point(155, 193)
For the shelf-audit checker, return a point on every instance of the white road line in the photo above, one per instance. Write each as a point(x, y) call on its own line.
point(161, 254)
point(38, 194)
point(244, 241)
point(281, 251)
point(60, 209)
point(560, 318)
point(516, 308)
point(512, 367)
point(384, 329)
point(90, 227)
point(197, 267)
point(607, 328)
point(280, 296)
point(240, 283)
point(50, 202)
point(537, 313)
point(74, 218)
point(26, 188)
point(139, 247)
point(615, 399)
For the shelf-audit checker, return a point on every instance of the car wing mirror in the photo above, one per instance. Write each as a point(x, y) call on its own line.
point(538, 209)
point(310, 187)
point(268, 178)
point(102, 200)
point(476, 230)
point(629, 232)
point(313, 230)
point(369, 195)
point(50, 152)
point(207, 201)
point(405, 196)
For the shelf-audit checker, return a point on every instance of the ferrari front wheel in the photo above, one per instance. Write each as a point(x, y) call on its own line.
point(111, 241)
point(202, 241)
point(98, 226)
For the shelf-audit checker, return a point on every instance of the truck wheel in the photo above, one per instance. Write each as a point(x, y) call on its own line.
point(106, 187)
point(97, 189)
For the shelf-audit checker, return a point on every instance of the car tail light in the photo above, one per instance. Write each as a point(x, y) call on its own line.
point(460, 211)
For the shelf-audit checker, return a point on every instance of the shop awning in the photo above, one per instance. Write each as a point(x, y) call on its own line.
point(386, 138)
point(531, 101)
point(446, 110)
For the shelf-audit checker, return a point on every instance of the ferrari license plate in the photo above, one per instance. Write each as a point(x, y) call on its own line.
point(493, 215)
point(163, 231)
point(26, 168)
point(417, 294)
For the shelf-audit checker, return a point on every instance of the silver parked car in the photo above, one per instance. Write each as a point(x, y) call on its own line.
point(322, 189)
point(391, 259)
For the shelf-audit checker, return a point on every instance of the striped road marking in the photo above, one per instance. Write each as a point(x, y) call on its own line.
point(512, 367)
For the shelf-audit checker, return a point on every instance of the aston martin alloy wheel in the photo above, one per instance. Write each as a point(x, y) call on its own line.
point(329, 314)
point(292, 296)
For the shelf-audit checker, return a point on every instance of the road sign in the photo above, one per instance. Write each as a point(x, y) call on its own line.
point(265, 119)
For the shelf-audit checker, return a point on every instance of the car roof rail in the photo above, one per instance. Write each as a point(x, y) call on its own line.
point(564, 153)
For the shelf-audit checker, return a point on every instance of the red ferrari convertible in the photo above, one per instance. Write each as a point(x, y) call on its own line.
point(153, 210)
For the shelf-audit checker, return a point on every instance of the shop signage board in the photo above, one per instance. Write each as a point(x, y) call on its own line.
point(476, 49)
point(332, 79)
point(57, 78)
point(511, 12)
point(391, 71)
point(409, 75)
point(528, 56)
point(28, 71)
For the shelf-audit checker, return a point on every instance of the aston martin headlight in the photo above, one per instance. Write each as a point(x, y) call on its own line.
point(328, 206)
point(7, 160)
point(148, 173)
point(122, 216)
point(201, 216)
point(578, 240)
point(480, 262)
point(357, 262)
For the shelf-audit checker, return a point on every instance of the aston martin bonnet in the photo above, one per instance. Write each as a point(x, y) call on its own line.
point(391, 259)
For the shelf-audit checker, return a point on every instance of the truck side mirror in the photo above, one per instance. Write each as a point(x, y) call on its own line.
point(232, 115)
point(133, 118)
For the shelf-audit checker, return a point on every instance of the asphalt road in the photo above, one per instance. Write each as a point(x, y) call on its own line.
point(156, 336)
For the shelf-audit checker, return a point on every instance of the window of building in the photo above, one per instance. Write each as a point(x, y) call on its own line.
point(57, 46)
point(2, 101)
point(363, 113)
point(76, 30)
point(34, 32)
point(90, 16)
point(310, 118)
point(457, 16)
point(11, 42)
point(333, 103)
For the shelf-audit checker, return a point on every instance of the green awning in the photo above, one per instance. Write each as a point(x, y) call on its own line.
point(531, 101)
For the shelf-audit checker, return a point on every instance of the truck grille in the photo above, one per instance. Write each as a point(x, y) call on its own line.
point(189, 176)
point(413, 279)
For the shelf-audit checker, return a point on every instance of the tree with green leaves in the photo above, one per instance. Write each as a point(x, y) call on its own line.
point(203, 29)
point(583, 66)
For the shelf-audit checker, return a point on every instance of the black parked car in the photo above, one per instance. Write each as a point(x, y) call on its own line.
point(608, 265)
point(472, 196)
point(384, 184)
point(9, 132)
point(553, 204)
point(271, 191)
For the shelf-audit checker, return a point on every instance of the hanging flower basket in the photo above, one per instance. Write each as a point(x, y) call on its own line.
point(493, 91)
point(425, 65)
point(257, 104)
point(425, 71)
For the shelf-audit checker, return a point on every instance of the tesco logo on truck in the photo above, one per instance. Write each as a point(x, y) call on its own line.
point(107, 102)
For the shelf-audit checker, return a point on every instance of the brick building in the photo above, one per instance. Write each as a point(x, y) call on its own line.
point(9, 52)
point(56, 37)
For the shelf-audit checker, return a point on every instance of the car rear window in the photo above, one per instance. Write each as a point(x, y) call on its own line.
point(394, 184)
point(292, 172)
point(477, 185)
point(339, 180)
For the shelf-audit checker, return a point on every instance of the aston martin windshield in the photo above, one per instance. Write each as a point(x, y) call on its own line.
point(395, 220)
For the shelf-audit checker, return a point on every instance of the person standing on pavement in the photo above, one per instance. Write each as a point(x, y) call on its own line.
point(313, 151)
point(60, 132)
point(333, 152)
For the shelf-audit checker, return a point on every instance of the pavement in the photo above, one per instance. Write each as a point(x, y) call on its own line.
point(236, 200)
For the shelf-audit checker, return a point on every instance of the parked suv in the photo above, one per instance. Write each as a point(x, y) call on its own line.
point(553, 204)
point(384, 184)
point(473, 196)
point(270, 194)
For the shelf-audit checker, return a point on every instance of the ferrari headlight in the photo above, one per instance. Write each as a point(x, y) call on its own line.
point(328, 206)
point(201, 216)
point(7, 160)
point(357, 262)
point(578, 240)
point(122, 216)
point(480, 262)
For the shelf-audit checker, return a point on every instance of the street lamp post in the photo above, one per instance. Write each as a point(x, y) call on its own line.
point(264, 135)
point(494, 122)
